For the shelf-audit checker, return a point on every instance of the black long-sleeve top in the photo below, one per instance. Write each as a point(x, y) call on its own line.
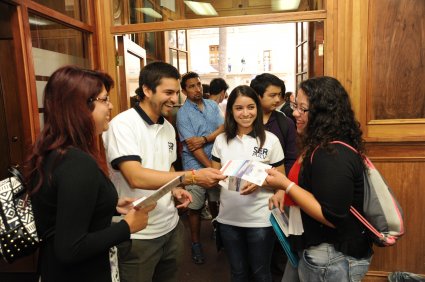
point(76, 206)
point(286, 139)
point(336, 181)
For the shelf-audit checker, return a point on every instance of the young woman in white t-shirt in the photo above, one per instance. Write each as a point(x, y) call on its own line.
point(244, 225)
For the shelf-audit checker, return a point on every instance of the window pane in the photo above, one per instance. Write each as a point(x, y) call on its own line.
point(305, 31)
point(182, 62)
point(305, 57)
point(55, 45)
point(150, 43)
point(172, 40)
point(299, 59)
point(76, 9)
point(173, 58)
point(182, 39)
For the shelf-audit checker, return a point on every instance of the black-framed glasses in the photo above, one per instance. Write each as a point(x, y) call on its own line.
point(301, 110)
point(104, 100)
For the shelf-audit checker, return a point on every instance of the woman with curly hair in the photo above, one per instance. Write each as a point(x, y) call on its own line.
point(326, 180)
point(72, 196)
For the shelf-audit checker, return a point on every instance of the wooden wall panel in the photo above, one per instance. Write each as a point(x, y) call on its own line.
point(409, 252)
point(355, 53)
point(397, 52)
point(401, 164)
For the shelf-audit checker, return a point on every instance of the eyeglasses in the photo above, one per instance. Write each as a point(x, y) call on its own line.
point(104, 100)
point(294, 107)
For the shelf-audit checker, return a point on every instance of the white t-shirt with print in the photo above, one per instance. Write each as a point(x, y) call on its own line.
point(246, 210)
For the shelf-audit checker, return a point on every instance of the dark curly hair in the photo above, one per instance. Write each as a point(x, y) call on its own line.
point(330, 116)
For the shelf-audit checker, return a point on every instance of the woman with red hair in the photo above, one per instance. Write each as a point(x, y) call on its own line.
point(67, 176)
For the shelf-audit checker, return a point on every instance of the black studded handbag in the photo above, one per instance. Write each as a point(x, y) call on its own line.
point(18, 235)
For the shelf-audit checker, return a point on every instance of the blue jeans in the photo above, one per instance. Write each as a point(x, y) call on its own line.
point(323, 263)
point(249, 251)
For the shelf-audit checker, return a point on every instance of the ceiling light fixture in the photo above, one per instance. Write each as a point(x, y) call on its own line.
point(201, 8)
point(285, 5)
point(150, 12)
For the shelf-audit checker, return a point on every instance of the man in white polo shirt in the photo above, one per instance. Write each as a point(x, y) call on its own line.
point(141, 147)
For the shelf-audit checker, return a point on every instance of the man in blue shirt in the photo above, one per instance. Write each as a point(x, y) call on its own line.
point(198, 123)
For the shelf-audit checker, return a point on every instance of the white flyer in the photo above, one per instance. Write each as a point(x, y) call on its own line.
point(145, 201)
point(242, 171)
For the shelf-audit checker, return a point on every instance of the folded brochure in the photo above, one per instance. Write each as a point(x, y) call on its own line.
point(240, 172)
point(146, 201)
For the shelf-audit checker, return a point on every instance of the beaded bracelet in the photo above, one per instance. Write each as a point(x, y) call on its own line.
point(193, 177)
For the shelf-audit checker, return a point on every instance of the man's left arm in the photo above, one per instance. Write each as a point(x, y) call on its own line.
point(197, 142)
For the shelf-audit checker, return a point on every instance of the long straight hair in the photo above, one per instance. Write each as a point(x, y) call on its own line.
point(68, 120)
point(230, 125)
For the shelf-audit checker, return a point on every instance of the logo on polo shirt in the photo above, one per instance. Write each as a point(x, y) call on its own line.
point(171, 146)
point(260, 152)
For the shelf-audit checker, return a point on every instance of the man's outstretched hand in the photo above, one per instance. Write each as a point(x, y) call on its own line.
point(208, 177)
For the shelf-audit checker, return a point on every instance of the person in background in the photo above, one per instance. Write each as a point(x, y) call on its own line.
point(218, 90)
point(281, 99)
point(286, 108)
point(141, 147)
point(205, 91)
point(72, 196)
point(243, 218)
point(269, 87)
point(223, 104)
point(335, 245)
point(198, 123)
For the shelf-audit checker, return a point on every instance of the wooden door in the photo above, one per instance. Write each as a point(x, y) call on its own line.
point(11, 122)
point(12, 128)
